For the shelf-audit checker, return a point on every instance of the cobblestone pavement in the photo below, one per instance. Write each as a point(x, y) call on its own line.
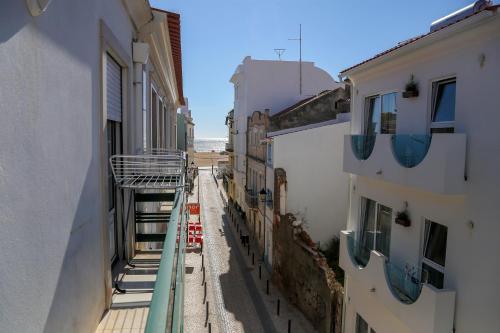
point(237, 297)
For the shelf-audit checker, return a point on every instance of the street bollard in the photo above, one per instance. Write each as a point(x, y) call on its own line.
point(260, 272)
point(278, 308)
point(206, 318)
point(203, 274)
point(202, 261)
point(267, 287)
point(289, 325)
point(209, 327)
point(205, 292)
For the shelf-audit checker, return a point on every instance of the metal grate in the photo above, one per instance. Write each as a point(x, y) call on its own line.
point(152, 170)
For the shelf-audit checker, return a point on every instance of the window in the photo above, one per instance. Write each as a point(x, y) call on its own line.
point(443, 106)
point(434, 253)
point(374, 230)
point(270, 154)
point(380, 114)
point(362, 325)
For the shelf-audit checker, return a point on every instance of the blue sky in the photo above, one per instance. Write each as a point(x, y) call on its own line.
point(218, 34)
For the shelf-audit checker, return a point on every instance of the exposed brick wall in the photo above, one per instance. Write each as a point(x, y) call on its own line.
point(301, 271)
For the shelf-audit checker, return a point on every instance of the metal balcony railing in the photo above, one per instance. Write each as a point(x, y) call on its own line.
point(251, 199)
point(167, 304)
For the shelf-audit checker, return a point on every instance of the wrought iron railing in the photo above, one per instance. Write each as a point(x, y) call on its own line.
point(251, 199)
point(166, 308)
point(410, 150)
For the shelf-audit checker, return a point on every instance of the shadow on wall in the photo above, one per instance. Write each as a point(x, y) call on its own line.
point(14, 16)
point(64, 23)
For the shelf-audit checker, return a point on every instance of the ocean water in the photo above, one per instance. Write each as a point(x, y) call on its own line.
point(210, 144)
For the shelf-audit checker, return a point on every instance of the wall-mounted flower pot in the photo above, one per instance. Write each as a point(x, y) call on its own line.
point(405, 222)
point(410, 93)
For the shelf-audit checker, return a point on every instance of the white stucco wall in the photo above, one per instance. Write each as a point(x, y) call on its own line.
point(470, 254)
point(52, 277)
point(317, 188)
point(274, 85)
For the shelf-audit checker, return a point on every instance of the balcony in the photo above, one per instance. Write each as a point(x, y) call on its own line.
point(431, 163)
point(251, 199)
point(229, 147)
point(421, 307)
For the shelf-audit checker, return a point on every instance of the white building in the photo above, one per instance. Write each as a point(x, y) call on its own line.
point(274, 85)
point(78, 85)
point(317, 188)
point(420, 247)
point(189, 130)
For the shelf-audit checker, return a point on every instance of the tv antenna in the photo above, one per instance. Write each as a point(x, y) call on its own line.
point(300, 56)
point(279, 52)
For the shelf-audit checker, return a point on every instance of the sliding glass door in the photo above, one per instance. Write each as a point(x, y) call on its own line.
point(374, 232)
point(380, 114)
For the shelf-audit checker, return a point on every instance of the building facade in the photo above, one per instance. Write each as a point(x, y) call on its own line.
point(421, 235)
point(90, 69)
point(186, 135)
point(228, 177)
point(273, 85)
point(307, 143)
point(257, 126)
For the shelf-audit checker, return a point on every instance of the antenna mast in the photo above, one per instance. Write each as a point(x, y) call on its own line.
point(300, 56)
point(279, 52)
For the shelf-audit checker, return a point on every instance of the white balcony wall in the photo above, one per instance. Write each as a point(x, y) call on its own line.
point(432, 312)
point(441, 171)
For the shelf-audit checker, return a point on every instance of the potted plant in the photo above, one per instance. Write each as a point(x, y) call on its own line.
point(403, 219)
point(411, 88)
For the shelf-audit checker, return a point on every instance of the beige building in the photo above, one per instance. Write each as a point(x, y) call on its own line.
point(255, 192)
point(228, 179)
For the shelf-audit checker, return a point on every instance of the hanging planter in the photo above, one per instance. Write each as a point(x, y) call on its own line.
point(403, 219)
point(411, 88)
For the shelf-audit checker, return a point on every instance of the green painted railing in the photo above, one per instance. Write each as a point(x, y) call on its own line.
point(166, 308)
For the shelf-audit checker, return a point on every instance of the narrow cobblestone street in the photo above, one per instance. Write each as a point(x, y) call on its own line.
point(237, 297)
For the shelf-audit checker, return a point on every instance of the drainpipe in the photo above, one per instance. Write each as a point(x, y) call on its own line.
point(140, 53)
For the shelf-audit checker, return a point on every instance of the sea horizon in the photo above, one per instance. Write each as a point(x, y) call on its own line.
point(210, 144)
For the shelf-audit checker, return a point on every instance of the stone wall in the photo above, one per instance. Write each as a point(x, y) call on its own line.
point(322, 107)
point(301, 271)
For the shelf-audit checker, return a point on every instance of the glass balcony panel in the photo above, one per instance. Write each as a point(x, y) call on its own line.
point(410, 150)
point(405, 282)
point(359, 251)
point(362, 145)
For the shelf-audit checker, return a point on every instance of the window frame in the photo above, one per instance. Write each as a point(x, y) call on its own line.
point(365, 109)
point(434, 94)
point(425, 241)
point(375, 224)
